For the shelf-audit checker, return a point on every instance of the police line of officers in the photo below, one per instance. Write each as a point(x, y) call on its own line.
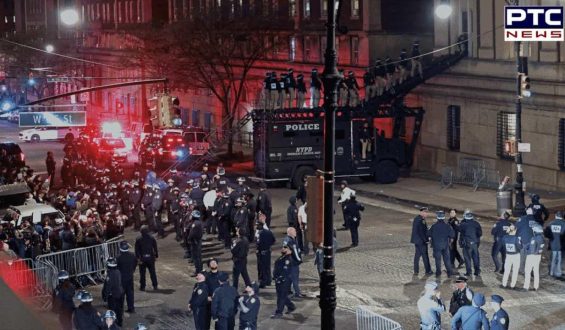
point(517, 248)
point(383, 76)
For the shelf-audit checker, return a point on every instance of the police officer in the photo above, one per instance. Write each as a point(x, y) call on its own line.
point(346, 193)
point(524, 231)
point(500, 319)
point(248, 305)
point(420, 240)
point(264, 204)
point(369, 84)
point(440, 233)
point(471, 317)
point(174, 211)
point(127, 263)
point(315, 89)
point(157, 207)
point(168, 196)
point(251, 205)
point(85, 315)
point(265, 239)
point(290, 84)
point(534, 249)
point(239, 250)
point(223, 304)
point(146, 253)
point(241, 217)
point(282, 277)
point(198, 303)
point(292, 212)
point(197, 194)
point(281, 88)
point(453, 252)
point(462, 296)
point(541, 214)
point(512, 246)
point(195, 239)
point(416, 60)
point(265, 91)
point(112, 291)
point(110, 320)
point(430, 307)
point(146, 206)
point(63, 300)
point(352, 211)
point(225, 220)
point(301, 91)
point(470, 235)
point(296, 259)
point(555, 232)
point(273, 91)
point(498, 232)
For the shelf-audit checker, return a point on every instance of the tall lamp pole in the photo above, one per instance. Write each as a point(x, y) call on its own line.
point(330, 78)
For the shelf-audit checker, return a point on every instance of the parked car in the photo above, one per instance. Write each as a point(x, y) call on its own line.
point(36, 213)
point(66, 134)
point(112, 148)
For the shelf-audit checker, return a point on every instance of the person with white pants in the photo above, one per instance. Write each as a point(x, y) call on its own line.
point(534, 249)
point(512, 246)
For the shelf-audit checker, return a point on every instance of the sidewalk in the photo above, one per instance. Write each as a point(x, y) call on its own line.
point(417, 192)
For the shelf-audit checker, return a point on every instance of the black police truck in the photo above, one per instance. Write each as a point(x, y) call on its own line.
point(372, 143)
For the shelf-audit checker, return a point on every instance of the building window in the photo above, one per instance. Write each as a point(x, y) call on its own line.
point(506, 130)
point(453, 127)
point(292, 49)
point(292, 8)
point(306, 8)
point(561, 145)
point(307, 48)
point(354, 50)
point(355, 8)
point(324, 9)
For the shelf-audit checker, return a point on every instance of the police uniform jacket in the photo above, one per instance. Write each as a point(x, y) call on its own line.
point(301, 86)
point(512, 244)
point(296, 256)
point(264, 203)
point(315, 81)
point(195, 234)
point(223, 301)
point(127, 263)
point(218, 206)
point(197, 195)
point(499, 229)
point(249, 309)
point(500, 320)
point(471, 317)
point(212, 281)
point(146, 248)
point(241, 217)
point(470, 232)
point(63, 297)
point(524, 227)
point(460, 298)
point(199, 298)
point(352, 211)
point(440, 233)
point(292, 215)
point(265, 240)
point(226, 209)
point(147, 199)
point(240, 249)
point(430, 309)
point(85, 317)
point(205, 184)
point(535, 245)
point(540, 212)
point(281, 270)
point(157, 200)
point(555, 231)
point(419, 231)
point(112, 285)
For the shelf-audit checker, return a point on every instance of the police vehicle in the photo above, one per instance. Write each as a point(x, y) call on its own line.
point(288, 144)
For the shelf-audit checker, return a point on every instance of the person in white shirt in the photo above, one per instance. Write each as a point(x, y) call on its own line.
point(303, 222)
point(346, 193)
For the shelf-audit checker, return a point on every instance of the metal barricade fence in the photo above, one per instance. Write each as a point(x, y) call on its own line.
point(472, 172)
point(369, 320)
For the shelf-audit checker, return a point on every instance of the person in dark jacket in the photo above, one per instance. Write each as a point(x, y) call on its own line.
point(112, 291)
point(50, 164)
point(195, 239)
point(198, 303)
point(352, 211)
point(453, 252)
point(462, 296)
point(248, 305)
point(498, 232)
point(282, 277)
point(63, 303)
point(420, 240)
point(85, 316)
point(265, 239)
point(127, 263)
point(223, 304)
point(239, 250)
point(110, 320)
point(541, 214)
point(470, 238)
point(67, 236)
point(441, 233)
point(264, 204)
point(212, 282)
point(146, 253)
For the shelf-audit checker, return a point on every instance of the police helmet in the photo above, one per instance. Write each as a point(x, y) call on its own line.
point(273, 74)
point(195, 214)
point(535, 198)
point(468, 215)
point(86, 297)
point(110, 314)
point(416, 42)
point(176, 189)
point(440, 215)
point(240, 200)
point(190, 182)
point(111, 262)
point(125, 183)
point(183, 196)
point(221, 171)
point(343, 182)
point(63, 275)
point(140, 326)
point(174, 171)
point(314, 70)
point(196, 184)
point(156, 186)
point(171, 180)
point(559, 215)
point(241, 179)
point(124, 246)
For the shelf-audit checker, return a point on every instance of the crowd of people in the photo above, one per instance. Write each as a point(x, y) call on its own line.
point(287, 92)
point(517, 249)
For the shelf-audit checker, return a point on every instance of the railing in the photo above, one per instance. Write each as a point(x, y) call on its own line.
point(30, 280)
point(472, 172)
point(89, 262)
point(369, 320)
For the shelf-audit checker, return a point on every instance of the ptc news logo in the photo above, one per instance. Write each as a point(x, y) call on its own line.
point(533, 23)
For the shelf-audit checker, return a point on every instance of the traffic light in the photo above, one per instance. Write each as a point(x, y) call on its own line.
point(177, 121)
point(511, 147)
point(165, 108)
point(525, 85)
point(154, 113)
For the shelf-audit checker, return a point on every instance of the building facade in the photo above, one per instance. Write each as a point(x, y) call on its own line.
point(471, 108)
point(7, 17)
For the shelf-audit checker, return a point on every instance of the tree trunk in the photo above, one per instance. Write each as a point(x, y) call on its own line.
point(230, 136)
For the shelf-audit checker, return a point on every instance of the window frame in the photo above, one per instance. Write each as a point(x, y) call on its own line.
point(505, 130)
point(453, 127)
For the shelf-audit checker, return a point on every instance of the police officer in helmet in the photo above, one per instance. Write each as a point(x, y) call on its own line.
point(112, 291)
point(85, 315)
point(63, 303)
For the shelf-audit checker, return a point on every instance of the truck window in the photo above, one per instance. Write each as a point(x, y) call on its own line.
point(200, 137)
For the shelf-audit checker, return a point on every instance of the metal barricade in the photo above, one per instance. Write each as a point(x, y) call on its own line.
point(472, 172)
point(62, 260)
point(370, 320)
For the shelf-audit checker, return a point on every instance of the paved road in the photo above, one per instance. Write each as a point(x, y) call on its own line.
point(377, 273)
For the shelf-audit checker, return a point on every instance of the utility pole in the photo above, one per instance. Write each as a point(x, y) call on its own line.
point(330, 78)
point(522, 70)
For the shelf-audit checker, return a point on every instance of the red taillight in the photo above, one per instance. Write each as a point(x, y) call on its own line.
point(179, 140)
point(170, 140)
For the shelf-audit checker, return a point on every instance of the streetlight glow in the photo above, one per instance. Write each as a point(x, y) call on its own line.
point(49, 48)
point(444, 10)
point(69, 17)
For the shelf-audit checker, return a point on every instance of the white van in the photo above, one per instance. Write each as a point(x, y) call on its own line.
point(36, 213)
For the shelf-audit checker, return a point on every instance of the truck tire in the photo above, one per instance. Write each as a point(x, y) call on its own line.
point(35, 138)
point(299, 174)
point(387, 172)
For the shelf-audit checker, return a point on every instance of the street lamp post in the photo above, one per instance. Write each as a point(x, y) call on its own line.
point(522, 69)
point(330, 78)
